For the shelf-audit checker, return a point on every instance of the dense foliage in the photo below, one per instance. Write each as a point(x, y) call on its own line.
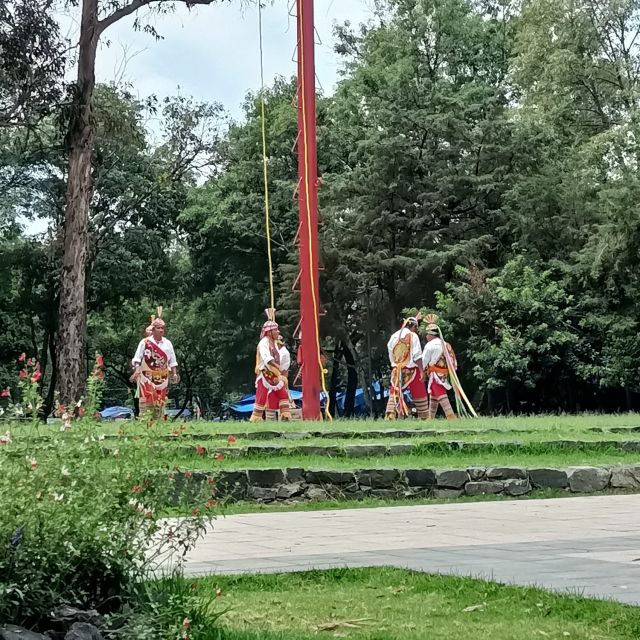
point(478, 158)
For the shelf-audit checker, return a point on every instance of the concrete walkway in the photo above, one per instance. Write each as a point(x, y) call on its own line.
point(588, 545)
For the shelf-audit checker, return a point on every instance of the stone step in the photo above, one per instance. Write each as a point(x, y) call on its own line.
point(298, 484)
point(373, 450)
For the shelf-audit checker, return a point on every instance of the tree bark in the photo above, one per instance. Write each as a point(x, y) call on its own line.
point(352, 382)
point(72, 336)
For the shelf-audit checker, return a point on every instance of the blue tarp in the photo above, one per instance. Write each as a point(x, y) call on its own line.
point(113, 413)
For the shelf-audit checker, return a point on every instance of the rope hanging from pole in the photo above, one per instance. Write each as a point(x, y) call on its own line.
point(265, 165)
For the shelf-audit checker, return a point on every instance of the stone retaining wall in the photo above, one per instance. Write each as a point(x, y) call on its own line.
point(295, 484)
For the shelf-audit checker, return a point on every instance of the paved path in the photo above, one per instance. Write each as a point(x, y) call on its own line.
point(589, 545)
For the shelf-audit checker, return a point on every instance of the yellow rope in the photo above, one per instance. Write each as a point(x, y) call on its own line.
point(265, 169)
point(308, 206)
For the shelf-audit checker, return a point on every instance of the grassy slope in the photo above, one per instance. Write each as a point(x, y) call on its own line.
point(392, 604)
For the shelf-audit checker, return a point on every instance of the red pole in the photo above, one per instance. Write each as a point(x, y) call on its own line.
point(308, 212)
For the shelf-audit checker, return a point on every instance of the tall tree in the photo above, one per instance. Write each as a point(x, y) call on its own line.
point(97, 17)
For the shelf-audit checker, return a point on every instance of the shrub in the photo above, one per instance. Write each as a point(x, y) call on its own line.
point(82, 523)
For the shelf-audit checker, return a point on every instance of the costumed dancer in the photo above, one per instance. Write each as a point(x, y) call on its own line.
point(155, 358)
point(269, 378)
point(273, 404)
point(439, 364)
point(405, 355)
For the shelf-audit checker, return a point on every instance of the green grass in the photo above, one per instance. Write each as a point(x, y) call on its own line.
point(579, 422)
point(550, 458)
point(394, 604)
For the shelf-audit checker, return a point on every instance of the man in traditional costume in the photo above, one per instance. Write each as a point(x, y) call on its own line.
point(155, 358)
point(273, 403)
point(439, 363)
point(405, 355)
point(269, 376)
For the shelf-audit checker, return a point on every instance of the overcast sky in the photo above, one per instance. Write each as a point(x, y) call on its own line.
point(212, 52)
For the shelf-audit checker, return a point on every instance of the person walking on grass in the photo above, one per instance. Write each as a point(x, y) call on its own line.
point(154, 365)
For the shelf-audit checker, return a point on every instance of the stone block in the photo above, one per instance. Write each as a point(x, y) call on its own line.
point(266, 494)
point(625, 477)
point(264, 450)
point(12, 632)
point(266, 477)
point(286, 491)
point(588, 479)
point(400, 449)
point(452, 478)
point(294, 475)
point(295, 435)
point(543, 478)
point(630, 445)
point(365, 451)
point(330, 477)
point(83, 631)
point(448, 493)
point(476, 473)
point(309, 450)
point(517, 487)
point(378, 478)
point(264, 435)
point(232, 484)
point(483, 488)
point(507, 473)
point(384, 494)
point(420, 477)
point(315, 493)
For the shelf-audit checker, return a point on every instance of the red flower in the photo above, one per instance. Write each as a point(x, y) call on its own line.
point(172, 476)
point(22, 357)
point(80, 412)
point(211, 480)
point(136, 488)
point(200, 450)
point(99, 361)
point(188, 474)
point(30, 362)
point(186, 622)
point(5, 393)
point(211, 503)
point(232, 439)
point(36, 376)
point(195, 512)
point(219, 456)
point(22, 374)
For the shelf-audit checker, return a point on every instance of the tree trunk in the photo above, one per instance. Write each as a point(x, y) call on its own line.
point(72, 336)
point(49, 400)
point(352, 382)
point(335, 379)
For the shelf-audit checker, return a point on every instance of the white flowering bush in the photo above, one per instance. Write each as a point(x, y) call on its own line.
point(82, 522)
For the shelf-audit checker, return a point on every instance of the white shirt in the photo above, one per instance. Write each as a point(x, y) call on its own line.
point(416, 349)
point(264, 353)
point(285, 359)
point(433, 351)
point(163, 344)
